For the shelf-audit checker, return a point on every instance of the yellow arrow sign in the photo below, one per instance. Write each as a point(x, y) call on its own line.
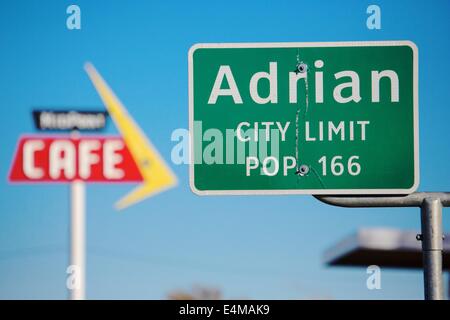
point(155, 172)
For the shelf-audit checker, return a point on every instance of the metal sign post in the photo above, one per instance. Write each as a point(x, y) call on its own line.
point(432, 246)
point(78, 239)
point(78, 235)
point(431, 204)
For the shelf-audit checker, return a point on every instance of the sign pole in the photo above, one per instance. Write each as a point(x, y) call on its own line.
point(432, 246)
point(431, 204)
point(78, 238)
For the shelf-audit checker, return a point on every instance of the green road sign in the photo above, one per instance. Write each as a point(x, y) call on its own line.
point(304, 118)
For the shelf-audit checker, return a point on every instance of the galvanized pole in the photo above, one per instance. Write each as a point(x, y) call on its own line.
point(78, 240)
point(431, 204)
point(432, 246)
point(77, 268)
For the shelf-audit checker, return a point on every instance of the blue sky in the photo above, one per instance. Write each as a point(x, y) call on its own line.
point(257, 247)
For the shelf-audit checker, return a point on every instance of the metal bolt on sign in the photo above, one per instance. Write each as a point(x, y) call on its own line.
point(431, 204)
point(302, 67)
point(303, 170)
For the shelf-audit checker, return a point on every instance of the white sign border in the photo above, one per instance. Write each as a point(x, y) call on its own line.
point(408, 43)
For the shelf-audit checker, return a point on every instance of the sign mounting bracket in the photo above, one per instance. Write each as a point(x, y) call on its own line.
point(431, 204)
